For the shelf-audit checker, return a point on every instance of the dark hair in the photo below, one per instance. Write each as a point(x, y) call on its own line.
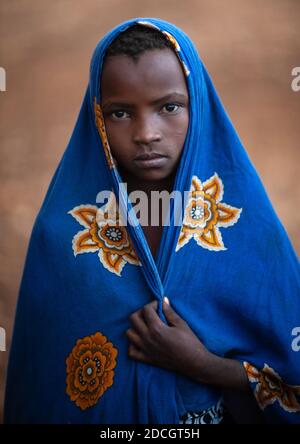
point(136, 40)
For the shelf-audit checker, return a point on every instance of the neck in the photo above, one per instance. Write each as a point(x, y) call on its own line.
point(136, 184)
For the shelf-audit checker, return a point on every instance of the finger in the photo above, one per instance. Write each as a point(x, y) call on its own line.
point(134, 338)
point(138, 323)
point(136, 353)
point(172, 317)
point(150, 315)
point(153, 304)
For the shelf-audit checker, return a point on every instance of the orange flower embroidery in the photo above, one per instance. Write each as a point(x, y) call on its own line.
point(204, 214)
point(104, 235)
point(90, 369)
point(99, 120)
point(270, 388)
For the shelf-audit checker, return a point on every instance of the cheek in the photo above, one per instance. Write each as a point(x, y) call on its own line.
point(184, 122)
point(178, 129)
point(119, 140)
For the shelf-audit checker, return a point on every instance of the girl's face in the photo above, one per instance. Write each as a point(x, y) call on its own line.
point(145, 108)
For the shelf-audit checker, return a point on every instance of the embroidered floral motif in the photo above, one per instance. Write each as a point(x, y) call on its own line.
point(104, 233)
point(204, 214)
point(99, 120)
point(270, 388)
point(90, 370)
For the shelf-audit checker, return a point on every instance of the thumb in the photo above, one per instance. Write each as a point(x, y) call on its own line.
point(172, 317)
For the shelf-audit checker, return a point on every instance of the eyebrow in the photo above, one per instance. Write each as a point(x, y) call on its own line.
point(171, 96)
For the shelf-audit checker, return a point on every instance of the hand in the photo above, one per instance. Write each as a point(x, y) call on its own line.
point(174, 346)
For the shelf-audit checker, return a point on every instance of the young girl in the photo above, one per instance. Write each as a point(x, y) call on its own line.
point(95, 339)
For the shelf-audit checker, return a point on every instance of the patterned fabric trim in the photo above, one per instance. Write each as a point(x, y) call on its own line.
point(212, 415)
point(270, 388)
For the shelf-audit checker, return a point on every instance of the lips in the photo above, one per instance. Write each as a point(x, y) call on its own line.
point(149, 156)
point(150, 160)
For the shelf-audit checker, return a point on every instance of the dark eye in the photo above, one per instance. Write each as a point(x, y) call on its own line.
point(119, 115)
point(170, 108)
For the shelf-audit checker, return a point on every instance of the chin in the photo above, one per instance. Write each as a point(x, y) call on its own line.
point(152, 175)
point(146, 175)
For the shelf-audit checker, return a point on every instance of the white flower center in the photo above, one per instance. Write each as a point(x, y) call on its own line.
point(197, 212)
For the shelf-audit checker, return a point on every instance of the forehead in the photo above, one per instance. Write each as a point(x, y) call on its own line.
point(155, 71)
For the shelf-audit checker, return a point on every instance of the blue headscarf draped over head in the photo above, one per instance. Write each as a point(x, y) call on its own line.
point(229, 270)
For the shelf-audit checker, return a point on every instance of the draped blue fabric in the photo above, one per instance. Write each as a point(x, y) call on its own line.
point(232, 274)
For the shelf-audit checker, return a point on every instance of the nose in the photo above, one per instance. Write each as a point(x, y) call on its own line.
point(146, 131)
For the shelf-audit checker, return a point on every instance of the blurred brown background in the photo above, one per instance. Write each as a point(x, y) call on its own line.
point(248, 46)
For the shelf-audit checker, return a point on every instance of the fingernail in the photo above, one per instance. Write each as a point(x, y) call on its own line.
point(166, 300)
